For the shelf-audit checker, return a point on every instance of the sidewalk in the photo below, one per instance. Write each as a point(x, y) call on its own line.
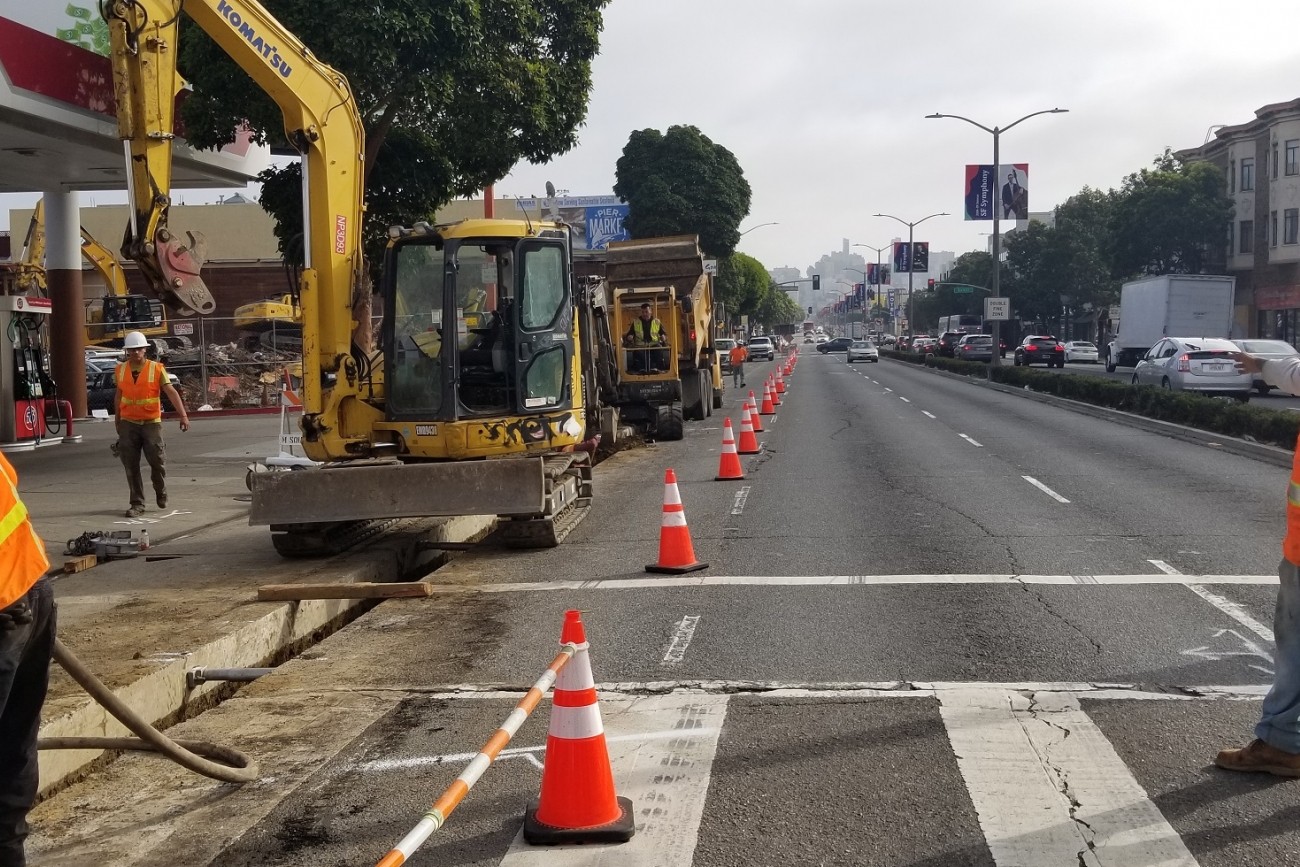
point(139, 624)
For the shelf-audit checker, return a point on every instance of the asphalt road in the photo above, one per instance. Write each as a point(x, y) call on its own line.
point(941, 625)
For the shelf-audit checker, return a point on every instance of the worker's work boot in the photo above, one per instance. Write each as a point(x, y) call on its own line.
point(135, 511)
point(162, 501)
point(1259, 757)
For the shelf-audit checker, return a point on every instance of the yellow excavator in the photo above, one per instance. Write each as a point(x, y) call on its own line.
point(475, 404)
point(25, 274)
point(275, 322)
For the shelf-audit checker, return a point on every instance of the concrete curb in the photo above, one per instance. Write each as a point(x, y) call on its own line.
point(1234, 445)
point(162, 694)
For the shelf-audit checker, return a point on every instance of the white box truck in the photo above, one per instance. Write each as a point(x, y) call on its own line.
point(1170, 305)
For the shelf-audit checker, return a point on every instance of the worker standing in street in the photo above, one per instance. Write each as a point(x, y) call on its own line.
point(1276, 747)
point(26, 645)
point(137, 406)
point(737, 357)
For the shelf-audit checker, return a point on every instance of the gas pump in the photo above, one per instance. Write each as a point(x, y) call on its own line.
point(24, 375)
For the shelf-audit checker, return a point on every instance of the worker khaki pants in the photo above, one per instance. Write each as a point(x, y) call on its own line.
point(133, 440)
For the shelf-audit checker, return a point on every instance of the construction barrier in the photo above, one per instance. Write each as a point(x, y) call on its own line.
point(456, 792)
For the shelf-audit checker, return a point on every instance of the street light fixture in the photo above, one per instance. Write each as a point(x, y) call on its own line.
point(911, 327)
point(996, 132)
point(759, 226)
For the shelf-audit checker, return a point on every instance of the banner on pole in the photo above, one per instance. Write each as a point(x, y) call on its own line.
point(1005, 187)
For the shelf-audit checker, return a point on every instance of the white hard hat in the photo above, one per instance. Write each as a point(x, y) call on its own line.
point(135, 340)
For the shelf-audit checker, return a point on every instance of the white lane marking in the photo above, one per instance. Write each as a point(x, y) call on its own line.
point(665, 778)
point(868, 689)
point(971, 441)
point(889, 391)
point(930, 414)
point(1232, 609)
point(904, 400)
point(681, 640)
point(815, 580)
point(1049, 788)
point(1164, 567)
point(1046, 490)
point(738, 505)
point(1252, 649)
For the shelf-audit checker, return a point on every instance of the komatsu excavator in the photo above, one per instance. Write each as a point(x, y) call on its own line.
point(476, 402)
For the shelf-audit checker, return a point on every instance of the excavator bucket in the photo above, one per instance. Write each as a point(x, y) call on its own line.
point(673, 261)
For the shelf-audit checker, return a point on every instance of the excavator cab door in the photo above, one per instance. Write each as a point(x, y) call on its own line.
point(543, 324)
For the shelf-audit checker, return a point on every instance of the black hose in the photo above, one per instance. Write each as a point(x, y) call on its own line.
point(238, 767)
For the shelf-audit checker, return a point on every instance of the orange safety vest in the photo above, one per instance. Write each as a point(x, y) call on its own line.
point(22, 553)
point(1291, 542)
point(738, 355)
point(141, 399)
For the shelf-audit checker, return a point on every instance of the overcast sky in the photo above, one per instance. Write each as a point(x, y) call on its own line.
point(823, 102)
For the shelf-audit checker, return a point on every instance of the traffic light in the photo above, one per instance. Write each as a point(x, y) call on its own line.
point(930, 284)
point(817, 282)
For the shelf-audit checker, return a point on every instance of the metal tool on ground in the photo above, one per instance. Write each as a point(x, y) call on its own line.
point(442, 808)
point(578, 803)
point(676, 553)
point(106, 544)
point(748, 444)
point(729, 468)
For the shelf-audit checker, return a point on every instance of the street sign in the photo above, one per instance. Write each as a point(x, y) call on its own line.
point(997, 308)
point(185, 328)
point(963, 290)
point(710, 267)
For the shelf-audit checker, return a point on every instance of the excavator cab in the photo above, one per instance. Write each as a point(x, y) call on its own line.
point(480, 327)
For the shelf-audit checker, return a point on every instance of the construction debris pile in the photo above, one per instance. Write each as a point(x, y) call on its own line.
point(228, 376)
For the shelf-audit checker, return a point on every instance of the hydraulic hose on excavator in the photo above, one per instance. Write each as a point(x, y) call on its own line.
point(192, 755)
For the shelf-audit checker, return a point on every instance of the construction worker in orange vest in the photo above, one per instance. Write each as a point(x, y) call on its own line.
point(137, 405)
point(26, 644)
point(736, 358)
point(1276, 747)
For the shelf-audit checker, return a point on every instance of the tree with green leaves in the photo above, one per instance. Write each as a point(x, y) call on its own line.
point(451, 93)
point(1169, 219)
point(777, 308)
point(682, 183)
point(741, 284)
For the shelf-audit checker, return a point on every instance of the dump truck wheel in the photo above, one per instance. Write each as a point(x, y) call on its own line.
point(669, 425)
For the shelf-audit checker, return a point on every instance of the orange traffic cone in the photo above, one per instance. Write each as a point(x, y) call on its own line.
point(676, 553)
point(748, 442)
point(751, 408)
point(771, 387)
point(780, 383)
point(729, 468)
point(767, 408)
point(577, 804)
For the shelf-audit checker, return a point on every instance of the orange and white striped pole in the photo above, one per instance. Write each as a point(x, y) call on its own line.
point(456, 792)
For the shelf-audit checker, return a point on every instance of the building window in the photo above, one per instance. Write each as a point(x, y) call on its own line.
point(1247, 234)
point(1293, 157)
point(1247, 174)
point(1272, 228)
point(1291, 226)
point(1232, 177)
point(1275, 159)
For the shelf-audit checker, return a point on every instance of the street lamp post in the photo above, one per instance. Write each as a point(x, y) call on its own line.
point(911, 325)
point(879, 272)
point(759, 226)
point(996, 132)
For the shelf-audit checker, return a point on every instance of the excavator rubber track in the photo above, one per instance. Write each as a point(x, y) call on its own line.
point(325, 540)
point(568, 499)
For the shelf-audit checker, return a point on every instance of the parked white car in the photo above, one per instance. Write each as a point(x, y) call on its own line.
point(1081, 351)
point(1196, 364)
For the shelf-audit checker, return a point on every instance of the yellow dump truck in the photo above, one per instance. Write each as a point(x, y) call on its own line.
point(660, 368)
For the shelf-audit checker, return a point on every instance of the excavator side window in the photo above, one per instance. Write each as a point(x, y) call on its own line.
point(416, 346)
point(545, 350)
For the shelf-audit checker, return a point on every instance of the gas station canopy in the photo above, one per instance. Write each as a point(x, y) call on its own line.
point(57, 127)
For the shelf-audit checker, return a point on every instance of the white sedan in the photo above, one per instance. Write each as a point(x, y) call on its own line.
point(1082, 351)
point(862, 350)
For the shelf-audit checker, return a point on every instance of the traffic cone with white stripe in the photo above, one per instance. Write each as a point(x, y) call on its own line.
point(748, 442)
point(729, 468)
point(676, 553)
point(767, 408)
point(780, 383)
point(577, 803)
point(751, 409)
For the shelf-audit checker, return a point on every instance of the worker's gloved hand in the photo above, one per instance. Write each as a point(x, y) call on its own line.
point(16, 615)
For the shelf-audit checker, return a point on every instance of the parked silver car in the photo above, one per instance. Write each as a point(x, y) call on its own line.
point(1269, 350)
point(1194, 364)
point(862, 350)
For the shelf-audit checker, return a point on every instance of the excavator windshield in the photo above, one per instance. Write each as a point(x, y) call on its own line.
point(513, 327)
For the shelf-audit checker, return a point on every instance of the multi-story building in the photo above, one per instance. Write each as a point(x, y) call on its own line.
point(1260, 161)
